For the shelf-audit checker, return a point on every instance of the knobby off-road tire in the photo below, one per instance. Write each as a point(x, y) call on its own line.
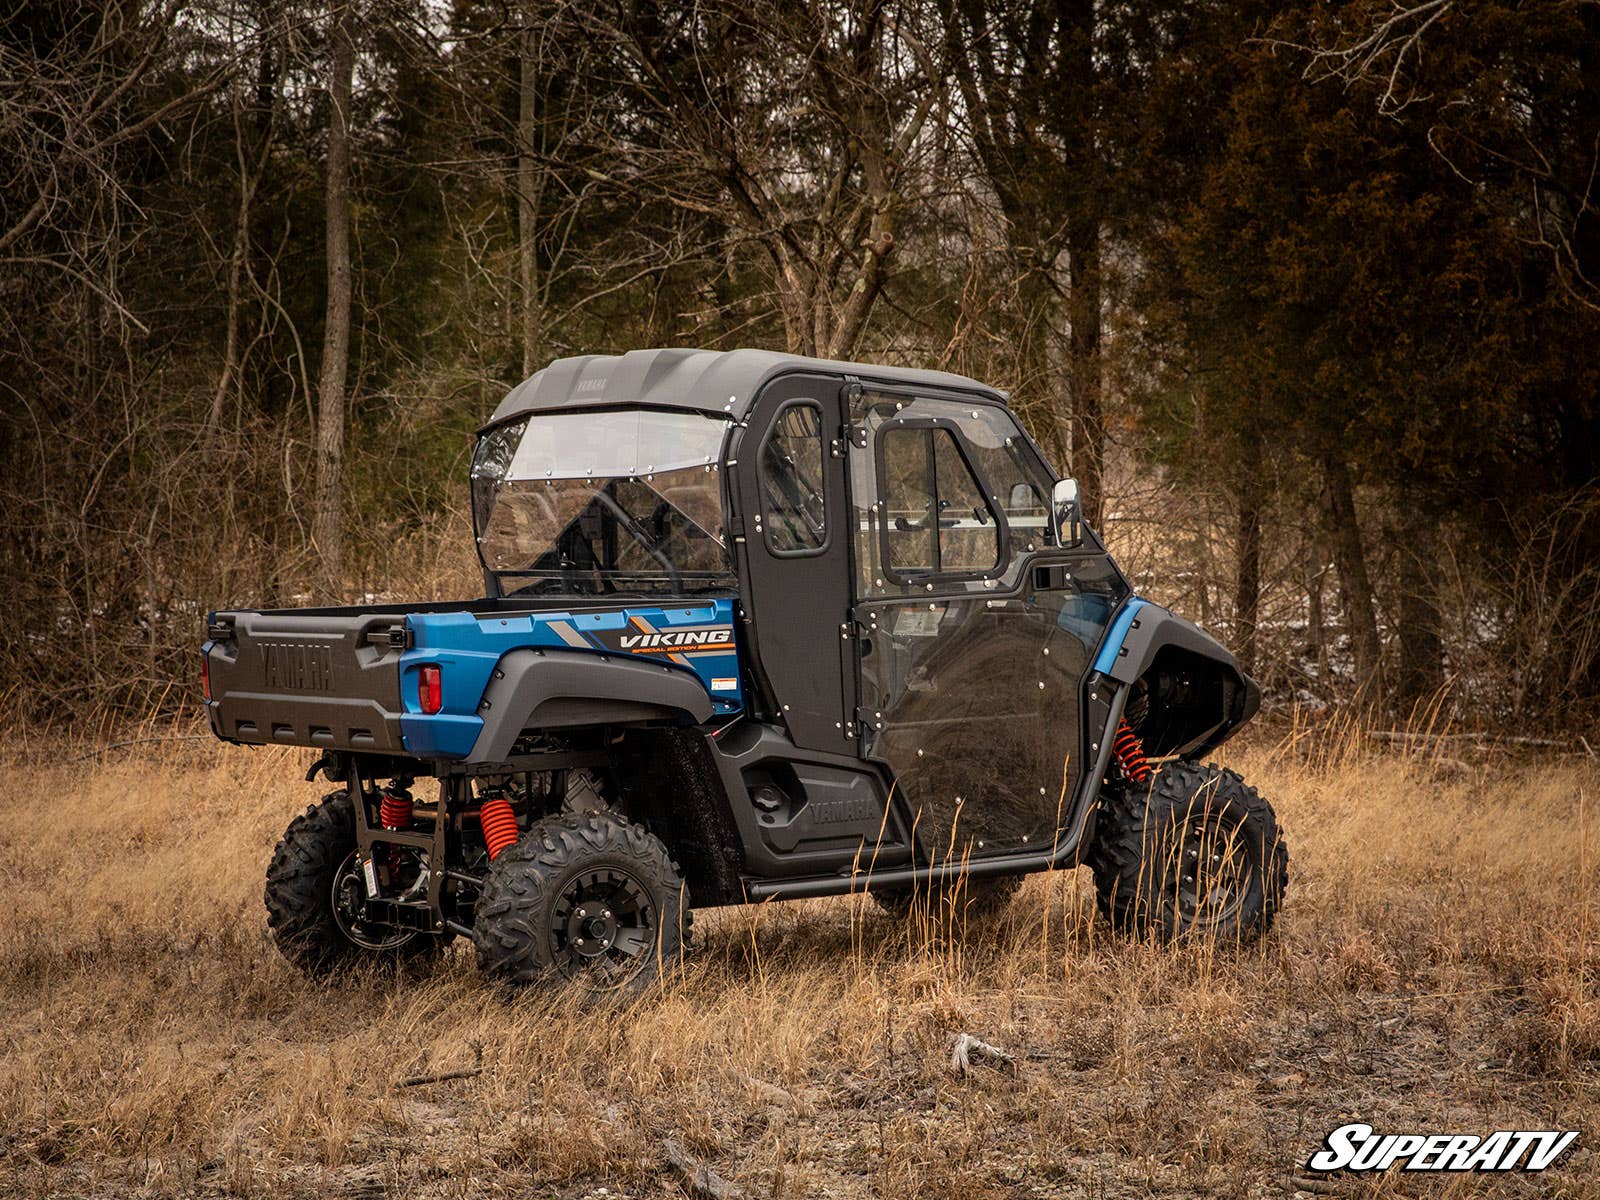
point(317, 852)
point(1196, 852)
point(983, 899)
point(588, 897)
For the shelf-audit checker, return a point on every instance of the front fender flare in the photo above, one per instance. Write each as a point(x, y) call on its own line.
point(555, 689)
point(1153, 629)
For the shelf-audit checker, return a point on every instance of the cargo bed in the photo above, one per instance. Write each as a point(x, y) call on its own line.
point(326, 677)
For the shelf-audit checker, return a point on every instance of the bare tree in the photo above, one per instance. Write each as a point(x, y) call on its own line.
point(1355, 583)
point(327, 530)
point(1027, 79)
point(529, 179)
point(800, 126)
point(252, 122)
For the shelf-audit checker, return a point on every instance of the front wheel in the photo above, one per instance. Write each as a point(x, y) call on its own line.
point(315, 894)
point(1196, 851)
point(583, 896)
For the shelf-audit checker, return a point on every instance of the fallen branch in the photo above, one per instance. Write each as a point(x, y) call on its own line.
point(1387, 735)
point(441, 1077)
point(1320, 1187)
point(965, 1046)
point(701, 1179)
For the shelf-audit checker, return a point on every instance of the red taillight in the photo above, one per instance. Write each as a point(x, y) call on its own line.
point(205, 674)
point(430, 694)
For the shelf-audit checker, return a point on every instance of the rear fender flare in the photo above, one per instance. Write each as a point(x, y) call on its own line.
point(555, 689)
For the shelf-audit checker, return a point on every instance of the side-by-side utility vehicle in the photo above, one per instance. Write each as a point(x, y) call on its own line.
point(755, 627)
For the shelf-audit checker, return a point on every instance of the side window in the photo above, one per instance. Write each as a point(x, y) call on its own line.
point(936, 518)
point(792, 481)
point(908, 499)
point(1022, 490)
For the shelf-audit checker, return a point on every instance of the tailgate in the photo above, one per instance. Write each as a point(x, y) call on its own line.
point(319, 678)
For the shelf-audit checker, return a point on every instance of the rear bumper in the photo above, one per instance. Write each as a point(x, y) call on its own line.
point(264, 719)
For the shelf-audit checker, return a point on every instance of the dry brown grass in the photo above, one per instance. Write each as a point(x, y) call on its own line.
point(1435, 968)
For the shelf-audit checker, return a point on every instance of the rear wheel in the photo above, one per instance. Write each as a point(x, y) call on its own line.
point(1196, 851)
point(315, 893)
point(582, 896)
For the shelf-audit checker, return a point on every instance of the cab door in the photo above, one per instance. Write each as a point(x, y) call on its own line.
point(790, 483)
point(971, 678)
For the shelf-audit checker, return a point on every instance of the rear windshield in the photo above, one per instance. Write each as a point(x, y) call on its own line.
point(627, 501)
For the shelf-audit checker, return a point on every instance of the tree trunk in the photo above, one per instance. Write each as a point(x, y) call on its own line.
point(1081, 169)
point(326, 528)
point(252, 160)
point(1316, 625)
point(527, 186)
point(1421, 638)
point(868, 284)
point(1043, 390)
point(1083, 365)
point(1247, 583)
point(1355, 586)
point(230, 349)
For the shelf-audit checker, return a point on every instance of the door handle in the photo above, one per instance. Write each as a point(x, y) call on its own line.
point(1052, 578)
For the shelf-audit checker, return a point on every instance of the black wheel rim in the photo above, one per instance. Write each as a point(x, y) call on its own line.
point(348, 898)
point(603, 927)
point(1214, 871)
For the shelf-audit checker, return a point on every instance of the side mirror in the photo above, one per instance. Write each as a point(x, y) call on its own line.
point(1066, 513)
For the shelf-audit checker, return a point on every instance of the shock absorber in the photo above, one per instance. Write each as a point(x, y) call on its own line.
point(1129, 753)
point(395, 810)
point(394, 813)
point(499, 824)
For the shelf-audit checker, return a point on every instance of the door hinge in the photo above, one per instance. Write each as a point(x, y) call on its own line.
point(869, 718)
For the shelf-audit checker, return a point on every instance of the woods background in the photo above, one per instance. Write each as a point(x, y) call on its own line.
point(1307, 295)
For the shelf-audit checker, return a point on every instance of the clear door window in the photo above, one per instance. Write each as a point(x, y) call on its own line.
point(794, 508)
point(936, 518)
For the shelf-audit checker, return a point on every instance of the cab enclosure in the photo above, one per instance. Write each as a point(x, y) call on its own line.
point(819, 626)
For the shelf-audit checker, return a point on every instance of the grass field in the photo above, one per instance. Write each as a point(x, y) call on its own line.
point(1437, 968)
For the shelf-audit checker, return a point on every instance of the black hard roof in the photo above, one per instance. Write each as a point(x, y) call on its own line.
point(720, 382)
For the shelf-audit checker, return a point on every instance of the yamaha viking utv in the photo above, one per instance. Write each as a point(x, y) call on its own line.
point(756, 627)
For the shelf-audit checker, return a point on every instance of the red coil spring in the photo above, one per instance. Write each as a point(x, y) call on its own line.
point(1129, 751)
point(395, 811)
point(499, 825)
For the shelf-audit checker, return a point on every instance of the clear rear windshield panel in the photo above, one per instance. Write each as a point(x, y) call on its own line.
point(621, 502)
